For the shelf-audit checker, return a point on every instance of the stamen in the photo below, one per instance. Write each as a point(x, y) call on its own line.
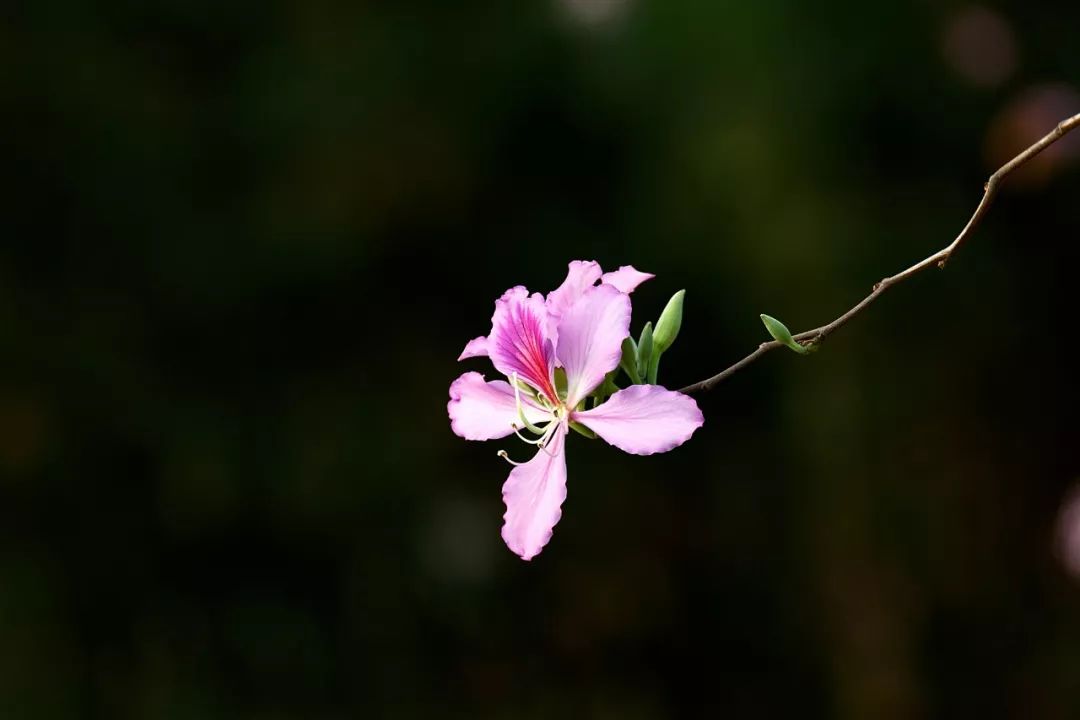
point(504, 456)
point(543, 446)
point(537, 431)
point(521, 409)
point(521, 437)
point(551, 429)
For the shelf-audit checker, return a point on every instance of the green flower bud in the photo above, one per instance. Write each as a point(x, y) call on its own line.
point(644, 349)
point(654, 366)
point(629, 360)
point(781, 334)
point(667, 327)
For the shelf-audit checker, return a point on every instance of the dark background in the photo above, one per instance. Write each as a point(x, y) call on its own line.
point(243, 244)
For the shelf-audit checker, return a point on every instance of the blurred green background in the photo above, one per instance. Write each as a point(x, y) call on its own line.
point(243, 244)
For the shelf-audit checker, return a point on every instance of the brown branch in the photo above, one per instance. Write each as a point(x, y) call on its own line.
point(938, 259)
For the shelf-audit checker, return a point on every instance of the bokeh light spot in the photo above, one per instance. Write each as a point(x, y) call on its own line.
point(1068, 532)
point(979, 46)
point(593, 13)
point(1033, 113)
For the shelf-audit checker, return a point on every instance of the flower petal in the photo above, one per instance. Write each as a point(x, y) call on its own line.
point(590, 339)
point(534, 494)
point(519, 342)
point(644, 419)
point(626, 278)
point(477, 347)
point(581, 275)
point(486, 410)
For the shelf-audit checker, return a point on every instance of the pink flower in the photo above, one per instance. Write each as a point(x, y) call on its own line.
point(578, 328)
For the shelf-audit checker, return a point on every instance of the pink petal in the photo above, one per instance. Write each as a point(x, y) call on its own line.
point(644, 419)
point(477, 347)
point(626, 278)
point(518, 342)
point(486, 410)
point(590, 339)
point(534, 494)
point(581, 276)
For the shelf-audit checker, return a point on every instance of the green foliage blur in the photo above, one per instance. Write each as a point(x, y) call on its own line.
point(243, 244)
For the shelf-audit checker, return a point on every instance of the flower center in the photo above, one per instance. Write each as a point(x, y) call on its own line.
point(558, 413)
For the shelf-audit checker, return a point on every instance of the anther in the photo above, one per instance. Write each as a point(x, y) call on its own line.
point(504, 456)
point(546, 451)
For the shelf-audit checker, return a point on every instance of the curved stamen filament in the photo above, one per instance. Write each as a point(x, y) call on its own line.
point(521, 408)
point(546, 433)
point(543, 447)
point(504, 456)
point(534, 431)
point(544, 441)
point(521, 437)
point(541, 442)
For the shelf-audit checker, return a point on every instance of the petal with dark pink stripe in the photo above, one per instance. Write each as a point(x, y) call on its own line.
point(518, 342)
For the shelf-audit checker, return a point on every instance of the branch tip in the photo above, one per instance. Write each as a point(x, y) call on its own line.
point(812, 337)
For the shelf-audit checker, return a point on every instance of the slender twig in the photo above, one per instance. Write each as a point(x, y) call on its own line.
point(938, 259)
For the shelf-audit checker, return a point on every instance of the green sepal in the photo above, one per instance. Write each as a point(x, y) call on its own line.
point(654, 367)
point(606, 388)
point(667, 327)
point(582, 430)
point(781, 334)
point(560, 382)
point(629, 360)
point(645, 350)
